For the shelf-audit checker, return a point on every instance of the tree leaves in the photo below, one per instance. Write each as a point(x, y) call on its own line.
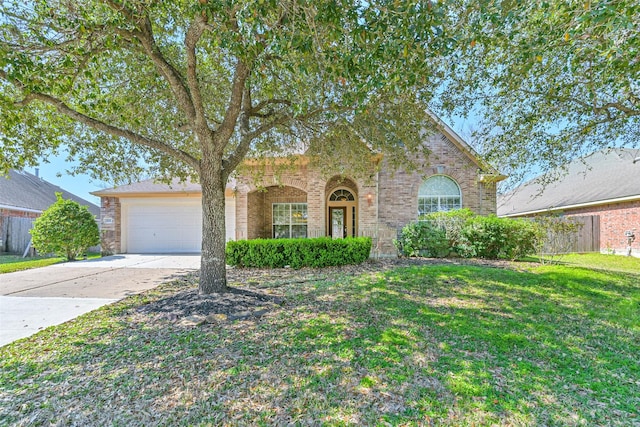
point(551, 80)
point(324, 58)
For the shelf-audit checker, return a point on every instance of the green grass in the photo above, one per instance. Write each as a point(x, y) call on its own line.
point(11, 263)
point(553, 345)
point(604, 262)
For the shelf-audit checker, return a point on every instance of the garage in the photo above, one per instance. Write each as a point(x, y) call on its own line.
point(166, 225)
point(158, 225)
point(156, 217)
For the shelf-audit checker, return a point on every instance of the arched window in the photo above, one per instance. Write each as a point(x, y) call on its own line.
point(341, 196)
point(438, 193)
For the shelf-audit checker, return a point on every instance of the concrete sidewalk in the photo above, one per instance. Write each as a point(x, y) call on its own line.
point(35, 299)
point(22, 317)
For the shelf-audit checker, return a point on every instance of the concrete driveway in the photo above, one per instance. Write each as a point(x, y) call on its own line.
point(34, 299)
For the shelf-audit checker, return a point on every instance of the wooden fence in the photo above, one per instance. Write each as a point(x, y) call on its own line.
point(585, 239)
point(588, 238)
point(14, 234)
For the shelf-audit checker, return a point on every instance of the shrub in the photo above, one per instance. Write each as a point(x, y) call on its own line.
point(493, 238)
point(440, 234)
point(423, 238)
point(453, 223)
point(298, 253)
point(66, 229)
point(522, 237)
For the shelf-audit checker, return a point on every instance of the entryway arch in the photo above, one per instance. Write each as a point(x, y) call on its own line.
point(342, 208)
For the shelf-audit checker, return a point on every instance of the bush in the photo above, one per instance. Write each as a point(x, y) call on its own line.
point(298, 253)
point(493, 238)
point(66, 229)
point(423, 238)
point(557, 235)
point(452, 222)
point(440, 234)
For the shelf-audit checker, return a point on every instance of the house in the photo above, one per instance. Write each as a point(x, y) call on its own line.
point(23, 197)
point(604, 185)
point(304, 201)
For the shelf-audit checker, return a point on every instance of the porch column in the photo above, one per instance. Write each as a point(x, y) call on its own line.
point(315, 206)
point(241, 213)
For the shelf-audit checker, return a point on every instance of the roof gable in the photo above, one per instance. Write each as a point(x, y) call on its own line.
point(465, 148)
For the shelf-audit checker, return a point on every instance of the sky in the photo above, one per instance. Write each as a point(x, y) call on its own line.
point(83, 185)
point(80, 185)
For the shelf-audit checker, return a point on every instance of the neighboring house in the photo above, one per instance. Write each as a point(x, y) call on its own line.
point(23, 195)
point(605, 184)
point(303, 202)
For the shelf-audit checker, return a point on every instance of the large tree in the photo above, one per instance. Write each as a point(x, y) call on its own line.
point(549, 80)
point(189, 88)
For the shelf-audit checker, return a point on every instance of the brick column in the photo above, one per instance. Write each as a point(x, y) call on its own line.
point(316, 205)
point(110, 225)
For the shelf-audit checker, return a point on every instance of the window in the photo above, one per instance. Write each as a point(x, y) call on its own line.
point(341, 196)
point(438, 193)
point(289, 220)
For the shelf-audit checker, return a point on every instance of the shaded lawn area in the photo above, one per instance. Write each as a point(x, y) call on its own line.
point(422, 345)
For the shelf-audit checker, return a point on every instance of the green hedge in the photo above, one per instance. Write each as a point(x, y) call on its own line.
point(298, 253)
point(464, 234)
point(494, 238)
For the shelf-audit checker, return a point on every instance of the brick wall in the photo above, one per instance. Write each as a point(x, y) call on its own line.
point(615, 219)
point(260, 212)
point(111, 225)
point(17, 214)
point(398, 190)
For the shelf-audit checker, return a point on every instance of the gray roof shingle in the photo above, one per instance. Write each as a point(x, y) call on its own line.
point(602, 176)
point(151, 186)
point(24, 191)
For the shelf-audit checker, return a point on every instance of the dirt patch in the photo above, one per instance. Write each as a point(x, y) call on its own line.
point(189, 308)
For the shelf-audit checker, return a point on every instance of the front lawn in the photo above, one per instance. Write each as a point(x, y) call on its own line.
point(603, 262)
point(11, 263)
point(419, 345)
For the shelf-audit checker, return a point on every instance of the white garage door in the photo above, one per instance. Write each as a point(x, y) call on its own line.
point(163, 226)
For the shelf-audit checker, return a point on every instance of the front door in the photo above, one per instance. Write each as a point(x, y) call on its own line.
point(337, 218)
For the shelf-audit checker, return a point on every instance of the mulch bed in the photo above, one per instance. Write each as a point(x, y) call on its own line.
point(189, 308)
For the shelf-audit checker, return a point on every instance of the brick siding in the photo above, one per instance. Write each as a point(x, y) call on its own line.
point(385, 200)
point(399, 189)
point(111, 226)
point(615, 219)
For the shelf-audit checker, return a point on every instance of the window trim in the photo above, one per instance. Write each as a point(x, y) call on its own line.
point(439, 197)
point(290, 222)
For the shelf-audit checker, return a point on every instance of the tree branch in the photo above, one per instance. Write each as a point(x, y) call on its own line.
point(596, 109)
point(144, 34)
point(194, 33)
point(231, 162)
point(255, 110)
point(63, 108)
point(225, 130)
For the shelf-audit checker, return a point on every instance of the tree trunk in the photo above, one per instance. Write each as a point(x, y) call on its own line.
point(213, 273)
